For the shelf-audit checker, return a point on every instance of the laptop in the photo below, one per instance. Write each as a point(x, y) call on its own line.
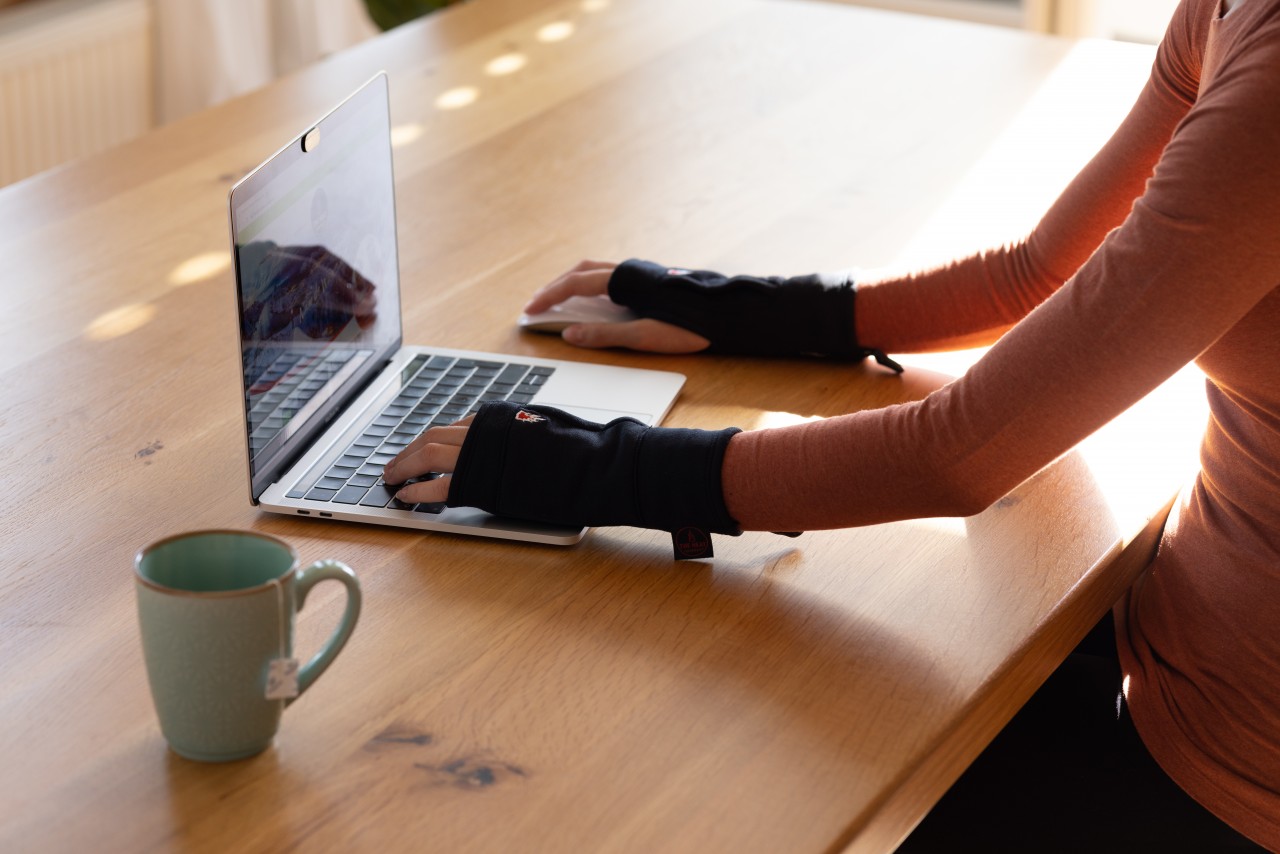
point(331, 393)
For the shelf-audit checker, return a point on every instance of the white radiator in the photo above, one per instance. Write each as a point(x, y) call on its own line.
point(75, 78)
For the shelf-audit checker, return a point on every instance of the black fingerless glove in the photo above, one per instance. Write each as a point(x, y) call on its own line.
point(542, 464)
point(803, 315)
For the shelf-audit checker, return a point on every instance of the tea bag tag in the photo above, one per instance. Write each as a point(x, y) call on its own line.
point(282, 672)
point(282, 679)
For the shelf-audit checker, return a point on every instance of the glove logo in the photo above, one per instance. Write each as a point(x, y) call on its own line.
point(529, 417)
point(691, 544)
point(678, 271)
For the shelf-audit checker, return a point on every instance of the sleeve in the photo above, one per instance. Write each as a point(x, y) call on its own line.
point(1197, 251)
point(971, 302)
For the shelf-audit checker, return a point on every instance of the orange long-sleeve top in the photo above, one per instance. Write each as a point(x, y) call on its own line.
point(1165, 249)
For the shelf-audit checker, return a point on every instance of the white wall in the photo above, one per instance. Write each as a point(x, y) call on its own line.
point(211, 50)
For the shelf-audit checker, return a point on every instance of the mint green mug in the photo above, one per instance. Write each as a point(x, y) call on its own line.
point(216, 609)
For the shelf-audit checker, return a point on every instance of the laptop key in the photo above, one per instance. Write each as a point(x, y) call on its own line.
point(350, 495)
point(380, 495)
point(512, 373)
point(318, 494)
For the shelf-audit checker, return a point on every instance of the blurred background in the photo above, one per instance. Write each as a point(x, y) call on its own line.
point(79, 76)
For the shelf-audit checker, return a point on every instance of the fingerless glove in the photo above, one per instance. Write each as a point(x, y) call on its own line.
point(803, 315)
point(543, 464)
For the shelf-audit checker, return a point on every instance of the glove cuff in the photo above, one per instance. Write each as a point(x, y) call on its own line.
point(678, 483)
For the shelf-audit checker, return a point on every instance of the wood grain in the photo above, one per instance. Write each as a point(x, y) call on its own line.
point(796, 695)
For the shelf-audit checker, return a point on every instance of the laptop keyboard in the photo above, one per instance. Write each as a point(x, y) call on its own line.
point(285, 387)
point(441, 390)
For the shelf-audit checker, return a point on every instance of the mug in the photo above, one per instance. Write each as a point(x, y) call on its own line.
point(216, 611)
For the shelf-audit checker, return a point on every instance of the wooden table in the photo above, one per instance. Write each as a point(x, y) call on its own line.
point(806, 695)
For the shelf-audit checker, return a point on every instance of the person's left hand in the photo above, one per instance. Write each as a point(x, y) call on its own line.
point(591, 278)
point(435, 451)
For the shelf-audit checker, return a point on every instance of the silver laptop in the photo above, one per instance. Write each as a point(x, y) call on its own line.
point(330, 392)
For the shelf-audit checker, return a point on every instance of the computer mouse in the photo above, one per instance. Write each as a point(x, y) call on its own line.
point(593, 309)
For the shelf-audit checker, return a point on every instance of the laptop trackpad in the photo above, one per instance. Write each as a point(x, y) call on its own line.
point(599, 415)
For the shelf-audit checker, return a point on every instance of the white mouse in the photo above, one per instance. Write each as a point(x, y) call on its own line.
point(596, 309)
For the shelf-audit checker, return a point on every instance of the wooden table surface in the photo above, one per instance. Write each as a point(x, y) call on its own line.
point(791, 695)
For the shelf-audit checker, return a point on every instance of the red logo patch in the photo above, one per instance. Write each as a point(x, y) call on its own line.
point(530, 417)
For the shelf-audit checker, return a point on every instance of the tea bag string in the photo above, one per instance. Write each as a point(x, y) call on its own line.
point(275, 582)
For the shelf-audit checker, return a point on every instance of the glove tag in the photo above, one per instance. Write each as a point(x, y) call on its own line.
point(691, 543)
point(882, 358)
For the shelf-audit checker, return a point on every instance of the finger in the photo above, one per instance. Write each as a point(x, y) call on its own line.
point(436, 450)
point(589, 278)
point(426, 460)
point(593, 282)
point(646, 334)
point(453, 434)
point(426, 492)
point(367, 311)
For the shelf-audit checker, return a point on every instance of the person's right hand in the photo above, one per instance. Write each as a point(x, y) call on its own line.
point(591, 278)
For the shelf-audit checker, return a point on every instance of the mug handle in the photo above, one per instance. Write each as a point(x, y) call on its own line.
point(325, 570)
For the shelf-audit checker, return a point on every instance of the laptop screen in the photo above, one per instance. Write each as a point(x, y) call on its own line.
point(317, 280)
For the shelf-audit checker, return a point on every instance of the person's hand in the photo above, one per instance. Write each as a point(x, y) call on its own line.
point(591, 278)
point(435, 451)
point(340, 294)
point(543, 464)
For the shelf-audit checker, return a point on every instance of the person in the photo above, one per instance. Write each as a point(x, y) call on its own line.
point(1164, 250)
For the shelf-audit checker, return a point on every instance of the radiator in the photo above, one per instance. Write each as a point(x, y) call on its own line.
point(75, 78)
